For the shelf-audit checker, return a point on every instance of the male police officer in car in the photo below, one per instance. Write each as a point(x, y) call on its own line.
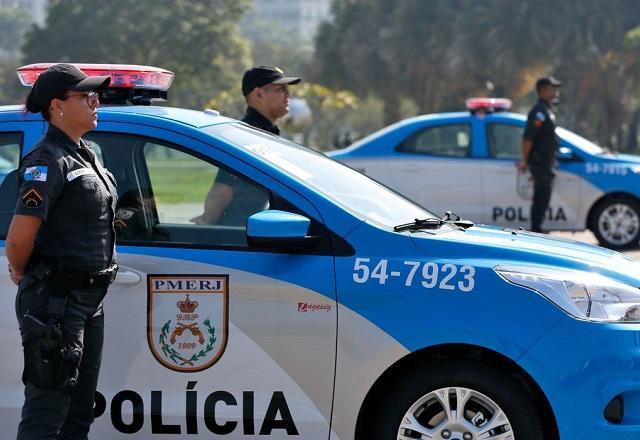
point(539, 145)
point(230, 200)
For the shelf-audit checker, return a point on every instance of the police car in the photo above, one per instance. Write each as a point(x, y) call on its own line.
point(465, 162)
point(338, 310)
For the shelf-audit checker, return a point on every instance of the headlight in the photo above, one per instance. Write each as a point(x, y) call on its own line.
point(581, 294)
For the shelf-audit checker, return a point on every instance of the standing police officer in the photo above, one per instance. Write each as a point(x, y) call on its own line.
point(230, 200)
point(267, 95)
point(60, 248)
point(539, 144)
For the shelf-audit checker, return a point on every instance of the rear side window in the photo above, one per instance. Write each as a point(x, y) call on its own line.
point(10, 145)
point(504, 141)
point(445, 140)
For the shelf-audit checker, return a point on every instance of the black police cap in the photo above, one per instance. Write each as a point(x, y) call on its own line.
point(547, 81)
point(263, 75)
point(59, 78)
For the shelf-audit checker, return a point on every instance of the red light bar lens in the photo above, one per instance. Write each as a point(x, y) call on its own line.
point(124, 76)
point(488, 104)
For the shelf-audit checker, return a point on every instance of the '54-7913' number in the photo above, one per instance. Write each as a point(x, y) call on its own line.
point(429, 275)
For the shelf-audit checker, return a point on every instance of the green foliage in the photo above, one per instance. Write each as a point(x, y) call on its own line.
point(438, 52)
point(11, 91)
point(198, 40)
point(632, 38)
point(14, 22)
point(320, 97)
point(273, 45)
point(330, 112)
point(229, 102)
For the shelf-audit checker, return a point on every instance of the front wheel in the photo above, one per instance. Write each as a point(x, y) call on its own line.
point(616, 222)
point(457, 401)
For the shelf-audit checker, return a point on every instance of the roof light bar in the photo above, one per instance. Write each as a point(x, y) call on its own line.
point(488, 104)
point(123, 76)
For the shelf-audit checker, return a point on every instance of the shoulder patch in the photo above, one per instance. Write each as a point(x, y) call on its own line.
point(37, 173)
point(541, 116)
point(31, 198)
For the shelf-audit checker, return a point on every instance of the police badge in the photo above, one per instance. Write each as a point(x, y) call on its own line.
point(187, 320)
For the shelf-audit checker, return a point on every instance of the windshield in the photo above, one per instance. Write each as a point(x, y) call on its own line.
point(580, 142)
point(346, 187)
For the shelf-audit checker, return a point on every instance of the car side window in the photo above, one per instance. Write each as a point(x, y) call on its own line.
point(10, 145)
point(186, 187)
point(452, 140)
point(504, 141)
point(168, 195)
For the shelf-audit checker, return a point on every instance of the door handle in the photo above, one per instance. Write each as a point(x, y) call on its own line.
point(127, 277)
point(411, 168)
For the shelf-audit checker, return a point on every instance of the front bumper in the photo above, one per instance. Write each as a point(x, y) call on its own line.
point(581, 366)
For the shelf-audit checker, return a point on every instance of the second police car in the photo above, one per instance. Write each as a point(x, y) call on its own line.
point(465, 162)
point(339, 310)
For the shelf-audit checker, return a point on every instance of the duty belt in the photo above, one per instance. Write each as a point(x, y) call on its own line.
point(90, 280)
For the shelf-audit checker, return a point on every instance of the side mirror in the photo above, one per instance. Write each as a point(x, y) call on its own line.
point(273, 229)
point(566, 154)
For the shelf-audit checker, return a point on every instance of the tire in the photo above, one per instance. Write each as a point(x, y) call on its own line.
point(492, 402)
point(616, 222)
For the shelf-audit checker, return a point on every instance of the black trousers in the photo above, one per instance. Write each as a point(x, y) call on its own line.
point(542, 186)
point(57, 413)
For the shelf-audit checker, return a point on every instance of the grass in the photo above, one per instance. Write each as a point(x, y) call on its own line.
point(181, 181)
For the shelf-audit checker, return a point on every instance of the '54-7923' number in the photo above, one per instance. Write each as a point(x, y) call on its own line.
point(429, 275)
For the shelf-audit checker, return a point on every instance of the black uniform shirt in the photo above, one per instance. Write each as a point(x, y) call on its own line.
point(68, 188)
point(257, 119)
point(247, 199)
point(540, 130)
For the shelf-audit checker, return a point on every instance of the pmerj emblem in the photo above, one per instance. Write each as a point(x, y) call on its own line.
point(187, 320)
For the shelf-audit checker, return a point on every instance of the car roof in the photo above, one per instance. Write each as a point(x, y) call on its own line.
point(193, 118)
point(433, 118)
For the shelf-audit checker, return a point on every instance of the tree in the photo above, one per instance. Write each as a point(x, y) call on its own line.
point(329, 108)
point(14, 21)
point(274, 45)
point(198, 40)
point(439, 52)
point(350, 55)
point(11, 91)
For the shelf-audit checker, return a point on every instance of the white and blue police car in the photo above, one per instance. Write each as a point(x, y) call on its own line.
point(465, 162)
point(337, 310)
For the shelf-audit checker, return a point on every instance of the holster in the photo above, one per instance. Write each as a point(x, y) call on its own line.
point(44, 353)
point(42, 343)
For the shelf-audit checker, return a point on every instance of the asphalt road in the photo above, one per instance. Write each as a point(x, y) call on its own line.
point(588, 237)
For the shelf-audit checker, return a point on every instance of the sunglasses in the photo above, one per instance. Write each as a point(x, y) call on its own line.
point(92, 98)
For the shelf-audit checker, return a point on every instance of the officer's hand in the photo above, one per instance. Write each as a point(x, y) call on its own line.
point(15, 277)
point(522, 166)
point(198, 220)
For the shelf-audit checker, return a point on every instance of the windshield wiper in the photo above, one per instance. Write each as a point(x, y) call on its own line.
point(435, 223)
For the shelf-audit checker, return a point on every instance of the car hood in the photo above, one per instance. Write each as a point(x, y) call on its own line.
point(622, 158)
point(505, 246)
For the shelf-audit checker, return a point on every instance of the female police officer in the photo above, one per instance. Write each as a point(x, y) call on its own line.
point(60, 248)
